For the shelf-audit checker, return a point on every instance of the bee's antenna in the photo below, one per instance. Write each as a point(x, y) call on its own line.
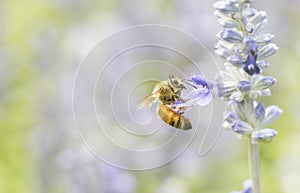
point(185, 80)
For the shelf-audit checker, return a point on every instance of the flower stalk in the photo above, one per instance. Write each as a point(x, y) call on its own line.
point(253, 160)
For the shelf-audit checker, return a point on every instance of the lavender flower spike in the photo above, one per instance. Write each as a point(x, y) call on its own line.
point(242, 83)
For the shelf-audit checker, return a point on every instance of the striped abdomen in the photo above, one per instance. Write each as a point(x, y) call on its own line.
point(172, 118)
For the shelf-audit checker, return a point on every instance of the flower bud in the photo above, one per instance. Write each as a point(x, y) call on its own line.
point(225, 7)
point(230, 35)
point(267, 50)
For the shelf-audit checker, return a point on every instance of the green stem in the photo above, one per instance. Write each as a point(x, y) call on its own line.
point(253, 160)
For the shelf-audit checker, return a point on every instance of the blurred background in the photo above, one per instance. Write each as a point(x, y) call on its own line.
point(42, 45)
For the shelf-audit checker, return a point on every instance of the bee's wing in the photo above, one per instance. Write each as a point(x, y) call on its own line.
point(148, 101)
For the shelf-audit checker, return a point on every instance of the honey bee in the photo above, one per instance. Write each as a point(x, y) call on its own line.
point(167, 92)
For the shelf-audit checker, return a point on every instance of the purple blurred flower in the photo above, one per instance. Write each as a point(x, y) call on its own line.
point(247, 187)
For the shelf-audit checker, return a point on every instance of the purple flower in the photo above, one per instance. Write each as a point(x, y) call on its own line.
point(250, 66)
point(200, 95)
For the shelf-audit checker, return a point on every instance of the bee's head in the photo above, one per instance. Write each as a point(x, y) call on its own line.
point(176, 82)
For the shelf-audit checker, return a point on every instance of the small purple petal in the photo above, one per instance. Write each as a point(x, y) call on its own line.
point(264, 39)
point(199, 80)
point(230, 117)
point(259, 27)
point(252, 48)
point(230, 35)
point(262, 82)
point(272, 113)
point(228, 22)
point(237, 96)
point(264, 135)
point(180, 106)
point(251, 44)
point(244, 86)
point(205, 99)
point(222, 50)
point(225, 7)
point(178, 102)
point(258, 17)
point(260, 111)
point(250, 66)
point(263, 64)
point(267, 50)
point(241, 127)
point(249, 12)
point(236, 60)
point(200, 96)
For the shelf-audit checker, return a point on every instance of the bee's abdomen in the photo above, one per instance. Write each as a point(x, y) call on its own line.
point(173, 119)
point(184, 123)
